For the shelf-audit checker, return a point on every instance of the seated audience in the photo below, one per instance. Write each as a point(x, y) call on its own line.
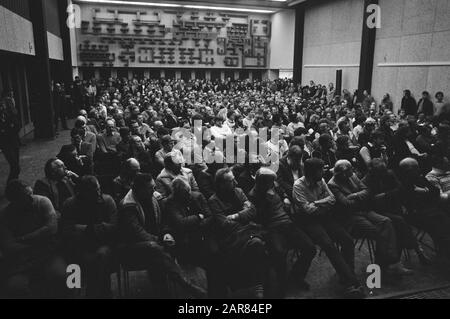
point(172, 169)
point(282, 234)
point(28, 228)
point(422, 202)
point(144, 237)
point(89, 221)
point(57, 185)
point(354, 211)
point(314, 213)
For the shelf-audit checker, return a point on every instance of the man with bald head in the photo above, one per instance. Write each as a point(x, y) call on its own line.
point(87, 136)
point(355, 212)
point(123, 183)
point(422, 202)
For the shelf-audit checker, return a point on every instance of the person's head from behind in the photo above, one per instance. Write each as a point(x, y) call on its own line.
point(88, 189)
point(19, 194)
point(294, 157)
point(439, 161)
point(224, 181)
point(409, 171)
point(298, 141)
point(173, 162)
point(314, 170)
point(343, 143)
point(377, 168)
point(218, 121)
point(323, 128)
point(215, 161)
point(407, 93)
point(68, 153)
point(143, 187)
point(136, 143)
point(124, 133)
point(344, 127)
point(343, 170)
point(55, 169)
point(130, 169)
point(325, 142)
point(181, 190)
point(404, 130)
point(167, 143)
point(378, 138)
point(265, 180)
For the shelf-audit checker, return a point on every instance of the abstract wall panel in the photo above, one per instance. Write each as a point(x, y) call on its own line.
point(122, 37)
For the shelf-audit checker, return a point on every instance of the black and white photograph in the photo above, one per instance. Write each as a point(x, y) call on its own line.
point(224, 156)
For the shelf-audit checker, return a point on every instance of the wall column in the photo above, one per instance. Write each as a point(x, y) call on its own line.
point(367, 52)
point(44, 113)
point(298, 45)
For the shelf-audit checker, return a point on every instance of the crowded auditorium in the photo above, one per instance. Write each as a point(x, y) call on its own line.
point(229, 149)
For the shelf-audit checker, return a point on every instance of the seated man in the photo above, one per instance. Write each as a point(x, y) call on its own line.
point(122, 183)
point(86, 135)
point(57, 184)
point(80, 165)
point(241, 246)
point(28, 228)
point(374, 149)
point(246, 174)
point(231, 201)
point(205, 178)
point(172, 169)
point(355, 212)
point(282, 234)
point(108, 141)
point(83, 148)
point(422, 202)
point(185, 213)
point(326, 153)
point(167, 144)
point(138, 151)
point(143, 236)
point(439, 177)
point(89, 221)
point(290, 170)
point(313, 213)
point(384, 189)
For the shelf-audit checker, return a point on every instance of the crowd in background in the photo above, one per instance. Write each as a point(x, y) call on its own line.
point(123, 190)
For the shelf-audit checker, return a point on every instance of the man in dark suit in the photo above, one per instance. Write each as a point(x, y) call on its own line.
point(425, 105)
point(57, 185)
point(290, 170)
point(409, 103)
point(145, 239)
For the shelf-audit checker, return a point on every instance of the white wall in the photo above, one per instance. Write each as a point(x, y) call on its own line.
point(332, 40)
point(55, 47)
point(412, 49)
point(282, 41)
point(16, 33)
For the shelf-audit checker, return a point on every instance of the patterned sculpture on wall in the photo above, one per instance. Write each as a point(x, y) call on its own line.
point(153, 38)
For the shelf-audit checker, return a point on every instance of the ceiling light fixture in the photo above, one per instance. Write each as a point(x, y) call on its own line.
point(172, 5)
